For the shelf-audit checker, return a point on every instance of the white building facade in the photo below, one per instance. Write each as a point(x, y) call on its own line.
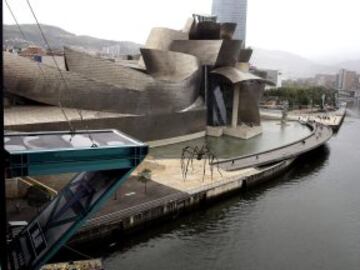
point(274, 76)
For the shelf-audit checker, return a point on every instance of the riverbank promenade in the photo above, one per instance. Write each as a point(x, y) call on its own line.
point(332, 119)
point(168, 193)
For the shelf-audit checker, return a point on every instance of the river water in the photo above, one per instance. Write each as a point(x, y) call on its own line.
point(308, 218)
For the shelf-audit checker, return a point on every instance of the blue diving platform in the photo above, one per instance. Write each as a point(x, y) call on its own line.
point(104, 160)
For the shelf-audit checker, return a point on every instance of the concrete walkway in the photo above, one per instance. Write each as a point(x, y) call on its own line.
point(320, 135)
point(332, 119)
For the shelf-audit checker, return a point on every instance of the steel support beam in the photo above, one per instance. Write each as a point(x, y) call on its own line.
point(3, 217)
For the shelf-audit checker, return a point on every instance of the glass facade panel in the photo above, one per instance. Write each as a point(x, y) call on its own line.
point(234, 11)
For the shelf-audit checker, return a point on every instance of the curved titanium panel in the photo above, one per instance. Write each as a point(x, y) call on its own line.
point(227, 30)
point(205, 31)
point(245, 55)
point(104, 70)
point(250, 95)
point(229, 53)
point(167, 65)
point(206, 51)
point(210, 52)
point(160, 38)
point(235, 75)
point(188, 25)
point(23, 77)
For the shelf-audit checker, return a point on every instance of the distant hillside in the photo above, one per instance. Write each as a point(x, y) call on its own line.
point(58, 38)
point(291, 65)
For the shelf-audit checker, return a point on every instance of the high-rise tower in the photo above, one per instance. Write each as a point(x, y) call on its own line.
point(234, 11)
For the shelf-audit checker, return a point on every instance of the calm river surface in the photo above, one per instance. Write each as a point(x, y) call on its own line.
point(309, 218)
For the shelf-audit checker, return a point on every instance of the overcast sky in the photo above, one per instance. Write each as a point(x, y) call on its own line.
point(311, 28)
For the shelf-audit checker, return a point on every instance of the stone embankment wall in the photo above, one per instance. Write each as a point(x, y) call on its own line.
point(134, 218)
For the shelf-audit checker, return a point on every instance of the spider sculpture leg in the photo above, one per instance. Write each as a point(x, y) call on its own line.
point(207, 157)
point(182, 161)
point(196, 152)
point(204, 152)
point(217, 166)
point(204, 170)
point(188, 153)
point(211, 163)
point(211, 159)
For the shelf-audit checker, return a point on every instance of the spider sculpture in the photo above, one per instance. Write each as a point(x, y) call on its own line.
point(190, 153)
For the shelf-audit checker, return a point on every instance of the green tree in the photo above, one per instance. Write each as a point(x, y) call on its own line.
point(144, 177)
point(302, 96)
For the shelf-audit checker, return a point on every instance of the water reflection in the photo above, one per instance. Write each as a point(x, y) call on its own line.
point(353, 109)
point(274, 135)
point(306, 165)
